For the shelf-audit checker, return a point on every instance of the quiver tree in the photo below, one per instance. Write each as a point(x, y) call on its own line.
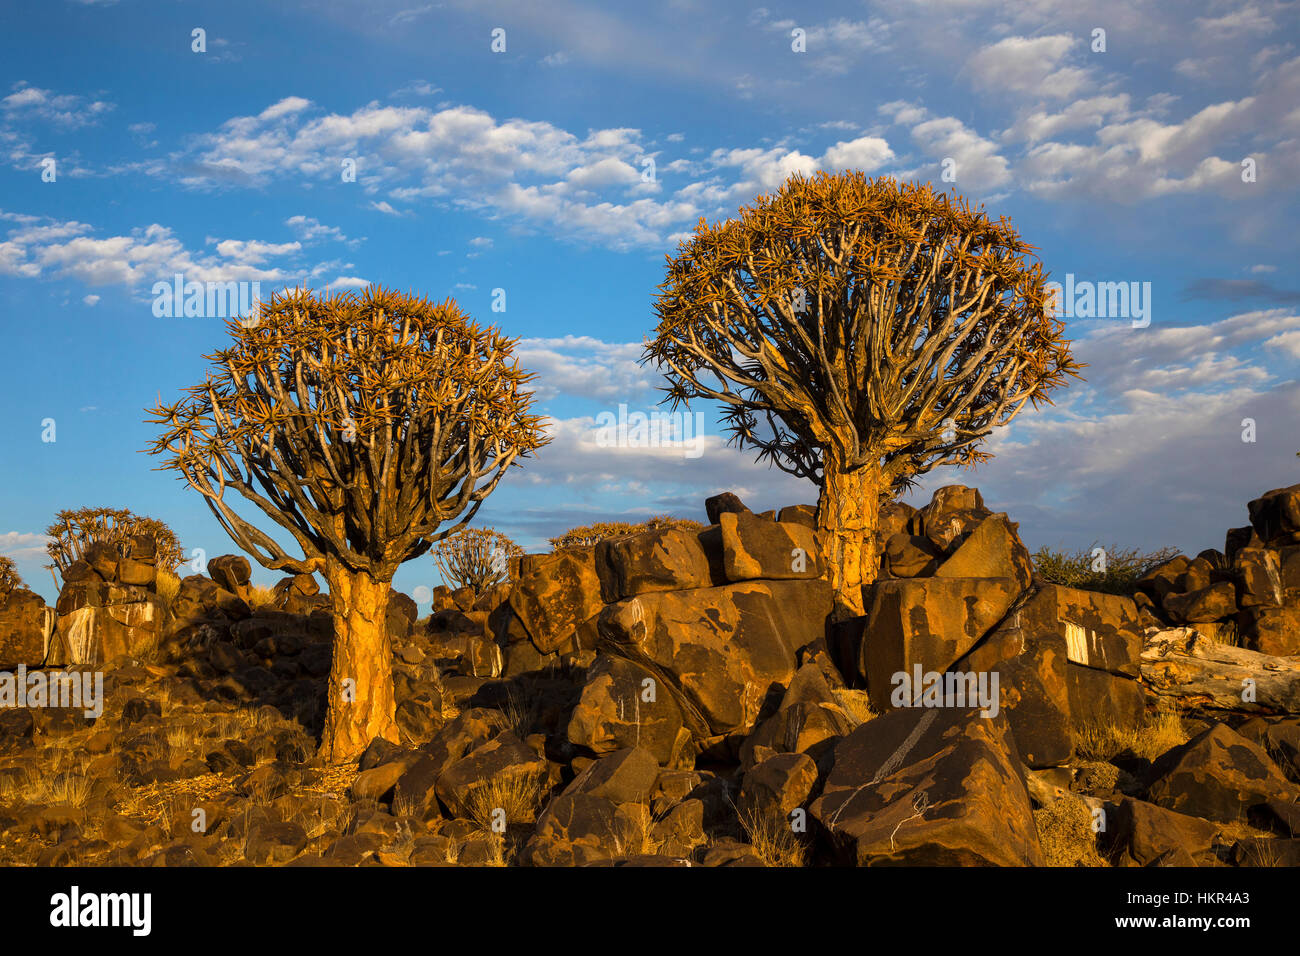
point(366, 427)
point(73, 532)
point(10, 579)
point(477, 558)
point(858, 333)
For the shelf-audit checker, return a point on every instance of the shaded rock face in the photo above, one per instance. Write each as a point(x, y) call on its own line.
point(556, 594)
point(109, 607)
point(928, 622)
point(668, 559)
point(755, 549)
point(938, 787)
point(1248, 594)
point(621, 707)
point(719, 651)
point(25, 623)
point(1219, 775)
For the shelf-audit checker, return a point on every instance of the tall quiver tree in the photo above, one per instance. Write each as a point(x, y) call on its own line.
point(367, 427)
point(859, 333)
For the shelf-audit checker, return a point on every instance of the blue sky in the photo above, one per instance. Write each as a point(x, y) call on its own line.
point(523, 170)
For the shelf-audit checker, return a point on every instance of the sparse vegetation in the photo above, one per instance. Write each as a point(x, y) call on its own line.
point(1114, 571)
point(773, 839)
point(1159, 735)
point(73, 532)
point(477, 558)
point(9, 577)
point(587, 535)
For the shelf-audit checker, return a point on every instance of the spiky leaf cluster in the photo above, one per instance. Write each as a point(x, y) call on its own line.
point(860, 318)
point(74, 531)
point(9, 577)
point(477, 558)
point(586, 535)
point(361, 424)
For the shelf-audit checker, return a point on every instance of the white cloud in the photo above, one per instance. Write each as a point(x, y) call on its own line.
point(90, 300)
point(1029, 65)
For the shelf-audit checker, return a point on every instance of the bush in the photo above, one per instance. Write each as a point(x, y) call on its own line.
point(9, 577)
point(477, 558)
point(73, 532)
point(587, 535)
point(1121, 567)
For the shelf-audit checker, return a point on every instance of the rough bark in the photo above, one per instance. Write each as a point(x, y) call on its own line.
point(361, 702)
point(847, 515)
point(1184, 664)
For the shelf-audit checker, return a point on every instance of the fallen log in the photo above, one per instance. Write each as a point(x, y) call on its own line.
point(1183, 664)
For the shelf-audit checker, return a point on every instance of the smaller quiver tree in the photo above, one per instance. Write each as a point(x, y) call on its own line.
point(477, 558)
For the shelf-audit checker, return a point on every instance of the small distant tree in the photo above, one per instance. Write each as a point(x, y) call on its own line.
point(368, 428)
point(587, 535)
point(9, 577)
point(74, 531)
point(858, 333)
point(477, 558)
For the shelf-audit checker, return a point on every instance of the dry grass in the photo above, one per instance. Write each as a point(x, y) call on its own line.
point(1065, 834)
point(855, 704)
point(516, 795)
point(168, 586)
point(1103, 741)
point(259, 597)
point(772, 839)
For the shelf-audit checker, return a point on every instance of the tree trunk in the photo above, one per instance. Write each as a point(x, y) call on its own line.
point(847, 515)
point(1183, 664)
point(361, 703)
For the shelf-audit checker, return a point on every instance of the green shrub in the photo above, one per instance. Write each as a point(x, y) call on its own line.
point(1115, 571)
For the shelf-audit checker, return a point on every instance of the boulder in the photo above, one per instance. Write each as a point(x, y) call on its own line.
point(755, 549)
point(1164, 578)
point(24, 624)
point(1275, 516)
point(992, 550)
point(665, 559)
point(1205, 604)
point(1147, 834)
point(805, 515)
point(1259, 578)
point(99, 623)
point(1100, 630)
point(719, 651)
point(953, 511)
point(1033, 687)
point(910, 556)
point(1271, 630)
point(725, 503)
point(625, 776)
point(621, 707)
point(579, 828)
point(929, 622)
point(556, 594)
point(232, 572)
point(1218, 775)
point(808, 721)
point(504, 773)
point(929, 787)
point(777, 786)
